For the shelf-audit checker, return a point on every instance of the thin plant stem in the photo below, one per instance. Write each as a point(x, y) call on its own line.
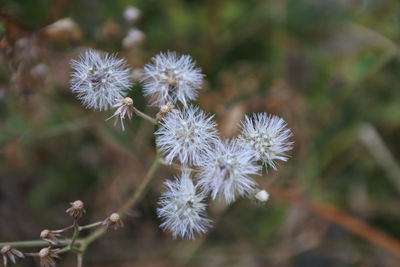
point(63, 250)
point(64, 229)
point(79, 260)
point(129, 203)
point(37, 243)
point(92, 225)
point(145, 116)
point(138, 194)
point(177, 166)
point(36, 254)
point(74, 236)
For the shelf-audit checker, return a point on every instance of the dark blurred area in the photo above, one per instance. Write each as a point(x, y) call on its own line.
point(330, 68)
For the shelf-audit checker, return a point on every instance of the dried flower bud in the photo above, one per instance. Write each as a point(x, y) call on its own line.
point(65, 29)
point(50, 236)
point(124, 109)
point(10, 253)
point(114, 220)
point(48, 257)
point(164, 109)
point(76, 210)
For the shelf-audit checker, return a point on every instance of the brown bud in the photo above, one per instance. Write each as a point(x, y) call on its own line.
point(114, 221)
point(50, 236)
point(127, 101)
point(48, 257)
point(10, 254)
point(164, 110)
point(76, 210)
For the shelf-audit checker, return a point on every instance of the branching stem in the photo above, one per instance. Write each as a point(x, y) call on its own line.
point(145, 116)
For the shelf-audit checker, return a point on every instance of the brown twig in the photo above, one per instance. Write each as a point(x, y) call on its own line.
point(341, 218)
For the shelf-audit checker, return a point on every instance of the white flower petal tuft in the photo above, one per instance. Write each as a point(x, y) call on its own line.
point(186, 134)
point(99, 80)
point(171, 78)
point(268, 136)
point(225, 171)
point(182, 209)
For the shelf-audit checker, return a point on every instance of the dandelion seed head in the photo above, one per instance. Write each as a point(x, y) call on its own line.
point(171, 78)
point(225, 171)
point(186, 135)
point(99, 80)
point(182, 209)
point(268, 136)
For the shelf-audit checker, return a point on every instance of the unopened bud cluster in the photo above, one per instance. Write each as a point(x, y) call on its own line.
point(188, 136)
point(49, 255)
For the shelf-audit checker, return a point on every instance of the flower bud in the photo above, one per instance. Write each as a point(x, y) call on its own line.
point(76, 210)
point(48, 257)
point(164, 109)
point(124, 109)
point(50, 236)
point(114, 220)
point(10, 254)
point(262, 196)
point(259, 197)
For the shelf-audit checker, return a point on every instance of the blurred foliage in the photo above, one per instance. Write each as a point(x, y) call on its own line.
point(328, 67)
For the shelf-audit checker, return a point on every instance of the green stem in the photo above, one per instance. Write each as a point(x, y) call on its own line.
point(129, 203)
point(138, 194)
point(145, 116)
point(37, 243)
point(74, 236)
point(79, 260)
point(92, 225)
point(64, 249)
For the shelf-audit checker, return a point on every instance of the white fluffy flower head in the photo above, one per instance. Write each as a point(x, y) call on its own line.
point(186, 134)
point(99, 80)
point(268, 136)
point(225, 171)
point(171, 78)
point(182, 209)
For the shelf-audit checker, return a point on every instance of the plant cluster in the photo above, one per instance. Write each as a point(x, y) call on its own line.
point(212, 168)
point(186, 136)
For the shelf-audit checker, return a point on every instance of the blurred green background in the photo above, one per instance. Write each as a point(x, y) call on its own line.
point(330, 68)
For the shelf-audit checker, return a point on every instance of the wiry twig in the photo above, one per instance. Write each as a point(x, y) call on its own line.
point(129, 203)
